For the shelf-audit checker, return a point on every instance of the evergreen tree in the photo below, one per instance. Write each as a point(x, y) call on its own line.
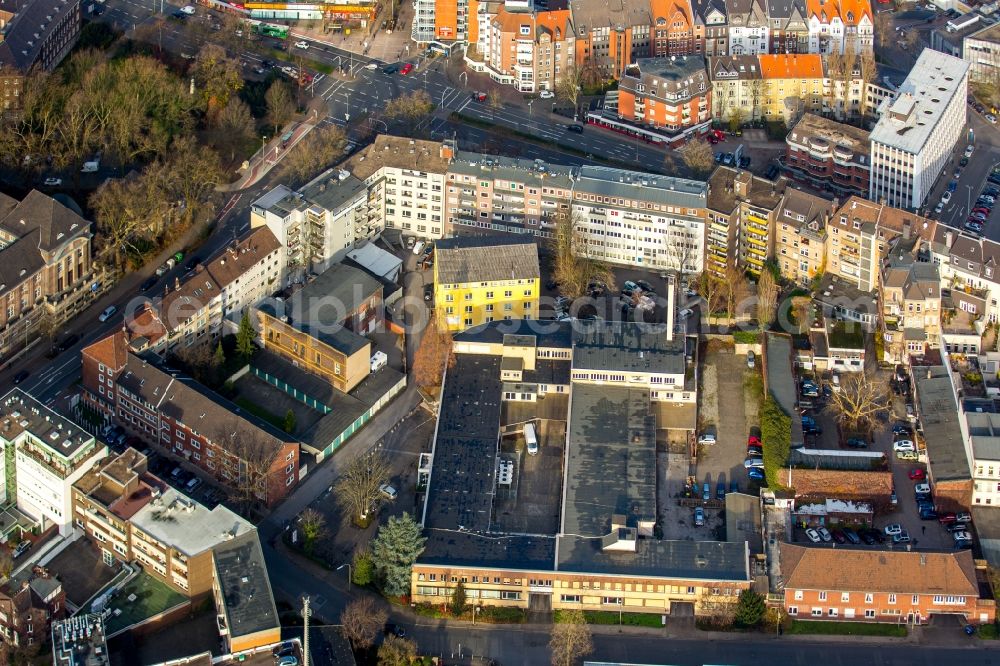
point(395, 549)
point(245, 337)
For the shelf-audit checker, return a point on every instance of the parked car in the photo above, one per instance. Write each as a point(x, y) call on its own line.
point(751, 360)
point(857, 443)
point(851, 536)
point(946, 197)
point(902, 537)
point(824, 534)
point(753, 462)
point(394, 630)
point(706, 492)
point(917, 474)
point(868, 538)
point(964, 162)
point(813, 535)
point(387, 491)
point(969, 150)
point(108, 313)
point(838, 536)
point(893, 529)
point(755, 474)
point(699, 517)
point(904, 445)
point(928, 514)
point(755, 452)
point(922, 489)
point(22, 548)
point(957, 527)
point(907, 455)
point(963, 517)
point(706, 438)
point(947, 517)
point(720, 490)
point(753, 440)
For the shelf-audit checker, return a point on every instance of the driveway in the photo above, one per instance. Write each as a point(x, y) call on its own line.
point(723, 410)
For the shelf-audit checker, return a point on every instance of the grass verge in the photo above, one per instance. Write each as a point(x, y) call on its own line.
point(612, 617)
point(823, 627)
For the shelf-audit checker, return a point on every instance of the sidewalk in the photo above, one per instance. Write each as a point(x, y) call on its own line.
point(372, 41)
point(266, 159)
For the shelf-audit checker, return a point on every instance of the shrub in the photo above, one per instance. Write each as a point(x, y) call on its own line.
point(776, 433)
point(747, 337)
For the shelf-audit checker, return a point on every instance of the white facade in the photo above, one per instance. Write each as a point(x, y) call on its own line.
point(748, 40)
point(981, 50)
point(635, 219)
point(917, 130)
point(413, 201)
point(832, 34)
point(422, 31)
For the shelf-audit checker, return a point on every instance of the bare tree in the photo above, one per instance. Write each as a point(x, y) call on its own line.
point(494, 101)
point(191, 174)
point(6, 563)
point(396, 651)
point(363, 620)
point(248, 455)
point(357, 489)
point(571, 639)
point(712, 289)
point(735, 118)
point(318, 150)
point(767, 298)
point(433, 354)
point(216, 77)
point(280, 106)
point(313, 526)
point(883, 28)
point(736, 289)
point(575, 266)
point(802, 311)
point(234, 127)
point(568, 86)
point(699, 157)
point(410, 108)
point(860, 398)
point(869, 69)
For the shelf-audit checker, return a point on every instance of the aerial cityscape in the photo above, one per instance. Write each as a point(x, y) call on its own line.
point(499, 332)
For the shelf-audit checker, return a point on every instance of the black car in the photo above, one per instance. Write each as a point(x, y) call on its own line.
point(851, 536)
point(578, 129)
point(266, 63)
point(192, 264)
point(21, 376)
point(771, 172)
point(390, 69)
point(645, 286)
point(179, 15)
point(744, 162)
point(394, 630)
point(720, 490)
point(148, 283)
point(963, 162)
point(68, 342)
point(428, 292)
point(283, 649)
point(929, 514)
point(868, 537)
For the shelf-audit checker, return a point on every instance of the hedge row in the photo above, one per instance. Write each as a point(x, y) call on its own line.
point(776, 433)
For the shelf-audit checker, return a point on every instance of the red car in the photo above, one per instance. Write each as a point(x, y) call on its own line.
point(753, 440)
point(918, 474)
point(407, 68)
point(946, 518)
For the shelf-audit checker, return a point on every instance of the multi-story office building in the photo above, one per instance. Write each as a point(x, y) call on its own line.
point(530, 50)
point(46, 269)
point(479, 279)
point(177, 414)
point(133, 516)
point(825, 154)
point(981, 50)
point(320, 224)
point(489, 193)
point(637, 219)
point(742, 209)
point(800, 235)
point(914, 137)
point(669, 93)
point(405, 184)
point(44, 454)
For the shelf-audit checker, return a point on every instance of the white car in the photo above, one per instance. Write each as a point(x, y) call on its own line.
point(706, 438)
point(108, 313)
point(813, 535)
point(53, 182)
point(372, 66)
point(753, 462)
point(418, 248)
point(684, 314)
point(904, 445)
point(893, 530)
point(946, 197)
point(824, 534)
point(546, 94)
point(939, 207)
point(301, 45)
point(922, 489)
point(188, 9)
point(969, 150)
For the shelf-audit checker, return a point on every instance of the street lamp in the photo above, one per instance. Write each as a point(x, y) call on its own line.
point(529, 113)
point(348, 565)
point(464, 78)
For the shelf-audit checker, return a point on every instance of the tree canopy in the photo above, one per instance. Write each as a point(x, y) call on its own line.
point(396, 547)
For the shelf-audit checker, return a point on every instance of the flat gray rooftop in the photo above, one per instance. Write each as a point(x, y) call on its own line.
point(245, 586)
point(187, 525)
point(19, 412)
point(938, 412)
point(627, 346)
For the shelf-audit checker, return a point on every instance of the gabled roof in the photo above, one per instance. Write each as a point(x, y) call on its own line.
point(30, 29)
point(894, 572)
point(55, 222)
point(111, 350)
point(486, 259)
point(838, 484)
point(791, 66)
point(733, 68)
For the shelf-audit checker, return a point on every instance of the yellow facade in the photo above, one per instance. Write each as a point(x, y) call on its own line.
point(313, 355)
point(462, 306)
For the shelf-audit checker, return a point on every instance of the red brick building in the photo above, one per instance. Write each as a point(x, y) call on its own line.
point(825, 154)
point(882, 586)
point(187, 420)
point(29, 602)
point(671, 93)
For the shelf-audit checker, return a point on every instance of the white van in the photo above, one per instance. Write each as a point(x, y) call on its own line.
point(418, 248)
point(835, 382)
point(188, 9)
point(379, 359)
point(90, 167)
point(530, 440)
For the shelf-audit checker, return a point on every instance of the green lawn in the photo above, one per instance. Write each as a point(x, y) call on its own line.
point(847, 335)
point(151, 597)
point(987, 631)
point(830, 628)
point(261, 413)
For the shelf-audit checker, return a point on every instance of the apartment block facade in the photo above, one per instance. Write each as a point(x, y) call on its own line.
point(530, 50)
point(178, 415)
point(479, 279)
point(800, 235)
point(669, 93)
point(982, 51)
point(742, 209)
point(44, 454)
point(38, 33)
point(825, 154)
point(912, 142)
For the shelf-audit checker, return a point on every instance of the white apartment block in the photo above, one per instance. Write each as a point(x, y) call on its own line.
point(833, 26)
point(917, 130)
point(637, 219)
point(318, 225)
point(748, 40)
point(45, 454)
